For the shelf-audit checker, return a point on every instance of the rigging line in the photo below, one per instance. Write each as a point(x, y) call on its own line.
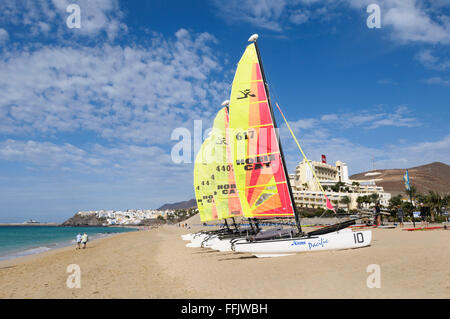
point(304, 156)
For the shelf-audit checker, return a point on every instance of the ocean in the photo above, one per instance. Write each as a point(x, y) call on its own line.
point(18, 241)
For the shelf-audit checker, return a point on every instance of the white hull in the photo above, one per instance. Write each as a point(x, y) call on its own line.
point(197, 240)
point(343, 239)
point(208, 242)
point(222, 245)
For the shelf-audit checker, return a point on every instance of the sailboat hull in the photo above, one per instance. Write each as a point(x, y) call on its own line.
point(344, 239)
point(222, 245)
point(197, 240)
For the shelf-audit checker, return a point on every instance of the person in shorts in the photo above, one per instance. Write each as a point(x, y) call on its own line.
point(78, 240)
point(424, 215)
point(84, 240)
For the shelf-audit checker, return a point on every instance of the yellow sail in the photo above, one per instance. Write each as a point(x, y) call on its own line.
point(226, 196)
point(214, 182)
point(204, 182)
point(258, 166)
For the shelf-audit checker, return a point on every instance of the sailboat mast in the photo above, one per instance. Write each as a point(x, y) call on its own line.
point(297, 217)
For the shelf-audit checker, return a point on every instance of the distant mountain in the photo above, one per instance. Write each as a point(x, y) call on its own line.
point(180, 205)
point(434, 176)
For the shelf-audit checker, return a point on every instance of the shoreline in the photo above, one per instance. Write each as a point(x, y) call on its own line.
point(39, 249)
point(5, 263)
point(31, 225)
point(156, 264)
point(61, 225)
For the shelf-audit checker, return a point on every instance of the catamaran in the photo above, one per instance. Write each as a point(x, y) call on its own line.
point(240, 171)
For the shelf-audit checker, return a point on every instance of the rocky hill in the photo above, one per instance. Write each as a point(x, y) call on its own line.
point(90, 220)
point(434, 177)
point(192, 203)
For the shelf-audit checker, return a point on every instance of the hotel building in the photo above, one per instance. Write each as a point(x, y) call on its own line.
point(307, 192)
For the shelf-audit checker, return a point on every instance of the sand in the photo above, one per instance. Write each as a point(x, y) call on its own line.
point(156, 264)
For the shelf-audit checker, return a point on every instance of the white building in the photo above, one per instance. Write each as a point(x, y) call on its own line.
point(307, 192)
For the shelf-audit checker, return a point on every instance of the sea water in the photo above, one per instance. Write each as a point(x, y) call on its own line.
point(18, 241)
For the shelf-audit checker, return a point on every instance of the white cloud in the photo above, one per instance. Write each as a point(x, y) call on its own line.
point(329, 117)
point(372, 119)
point(408, 20)
point(273, 15)
point(367, 119)
point(303, 124)
point(432, 62)
point(46, 154)
point(4, 36)
point(100, 160)
point(432, 149)
point(299, 16)
point(397, 118)
point(59, 179)
point(263, 13)
point(126, 99)
point(411, 20)
point(328, 135)
point(412, 23)
point(359, 157)
point(39, 17)
point(132, 93)
point(438, 81)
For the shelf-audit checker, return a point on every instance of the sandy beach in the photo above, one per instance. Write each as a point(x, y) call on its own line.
point(156, 264)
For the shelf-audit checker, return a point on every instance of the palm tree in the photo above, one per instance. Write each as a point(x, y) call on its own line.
point(446, 201)
point(395, 202)
point(421, 198)
point(412, 192)
point(363, 200)
point(346, 201)
point(337, 186)
point(360, 201)
point(374, 198)
point(435, 202)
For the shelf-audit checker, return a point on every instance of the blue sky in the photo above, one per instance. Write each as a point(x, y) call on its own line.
point(86, 115)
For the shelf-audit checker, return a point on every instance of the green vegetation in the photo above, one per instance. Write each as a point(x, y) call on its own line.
point(346, 201)
point(368, 199)
point(180, 215)
point(338, 187)
point(438, 204)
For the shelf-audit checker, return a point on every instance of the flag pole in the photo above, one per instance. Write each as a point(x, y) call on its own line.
point(410, 198)
point(408, 188)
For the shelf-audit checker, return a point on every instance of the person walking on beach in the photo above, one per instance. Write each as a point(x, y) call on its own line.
point(84, 240)
point(78, 241)
point(400, 215)
point(377, 212)
point(423, 215)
